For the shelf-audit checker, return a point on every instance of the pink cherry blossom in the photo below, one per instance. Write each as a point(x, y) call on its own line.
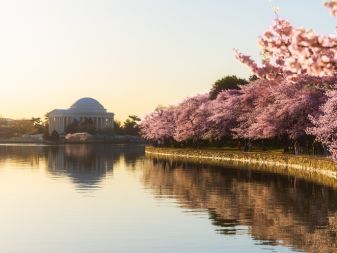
point(159, 126)
point(289, 51)
point(191, 116)
point(325, 125)
point(332, 5)
point(223, 114)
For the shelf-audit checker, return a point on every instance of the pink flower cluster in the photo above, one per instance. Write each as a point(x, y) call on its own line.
point(159, 126)
point(332, 5)
point(289, 51)
point(325, 125)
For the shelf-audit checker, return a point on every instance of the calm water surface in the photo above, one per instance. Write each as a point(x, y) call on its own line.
point(105, 198)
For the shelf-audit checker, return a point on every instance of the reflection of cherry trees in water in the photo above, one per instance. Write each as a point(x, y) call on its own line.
point(277, 209)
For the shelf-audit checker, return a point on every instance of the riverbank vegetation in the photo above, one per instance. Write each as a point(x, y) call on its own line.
point(290, 102)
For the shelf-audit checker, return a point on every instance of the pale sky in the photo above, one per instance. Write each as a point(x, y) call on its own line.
point(131, 55)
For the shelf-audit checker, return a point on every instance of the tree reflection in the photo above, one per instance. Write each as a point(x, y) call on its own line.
point(276, 210)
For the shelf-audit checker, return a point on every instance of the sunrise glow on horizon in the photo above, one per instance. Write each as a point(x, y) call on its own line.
point(130, 55)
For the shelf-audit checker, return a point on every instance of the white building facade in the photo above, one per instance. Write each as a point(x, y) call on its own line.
point(82, 110)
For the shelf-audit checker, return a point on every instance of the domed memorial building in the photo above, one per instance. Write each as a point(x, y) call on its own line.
point(83, 110)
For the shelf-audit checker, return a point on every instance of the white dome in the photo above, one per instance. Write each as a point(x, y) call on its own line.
point(87, 105)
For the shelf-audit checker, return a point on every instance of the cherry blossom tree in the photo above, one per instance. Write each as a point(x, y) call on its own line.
point(223, 114)
point(159, 126)
point(279, 108)
point(253, 101)
point(191, 117)
point(325, 125)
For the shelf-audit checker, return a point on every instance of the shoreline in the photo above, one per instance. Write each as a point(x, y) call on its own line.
point(316, 169)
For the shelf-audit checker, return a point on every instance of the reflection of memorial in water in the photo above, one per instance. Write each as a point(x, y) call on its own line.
point(85, 164)
point(273, 209)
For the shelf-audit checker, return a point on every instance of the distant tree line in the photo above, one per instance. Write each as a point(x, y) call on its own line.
point(17, 128)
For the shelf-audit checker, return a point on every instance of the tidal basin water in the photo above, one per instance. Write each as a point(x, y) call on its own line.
point(112, 198)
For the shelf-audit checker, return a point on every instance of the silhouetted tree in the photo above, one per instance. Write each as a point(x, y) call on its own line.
point(118, 129)
point(39, 125)
point(226, 83)
point(130, 125)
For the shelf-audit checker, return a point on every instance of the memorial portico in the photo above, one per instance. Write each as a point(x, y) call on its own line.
point(82, 110)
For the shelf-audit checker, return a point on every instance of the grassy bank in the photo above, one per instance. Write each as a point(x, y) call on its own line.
point(316, 169)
